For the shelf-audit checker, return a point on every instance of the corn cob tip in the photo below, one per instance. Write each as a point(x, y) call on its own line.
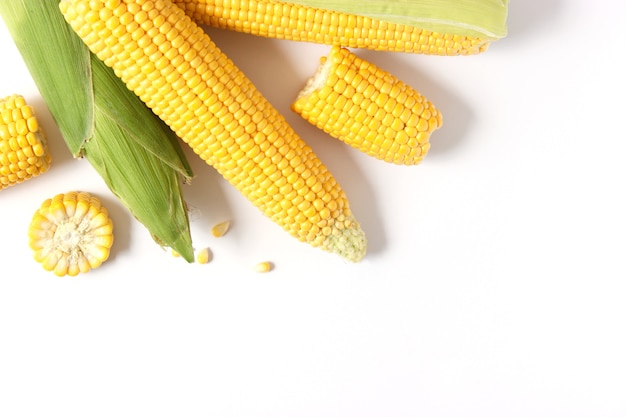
point(348, 242)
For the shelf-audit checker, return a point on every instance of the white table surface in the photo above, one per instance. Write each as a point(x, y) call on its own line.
point(495, 283)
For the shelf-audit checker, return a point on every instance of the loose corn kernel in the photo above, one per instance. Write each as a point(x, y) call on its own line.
point(23, 145)
point(170, 89)
point(393, 127)
point(71, 233)
point(262, 267)
point(204, 256)
point(220, 229)
point(282, 20)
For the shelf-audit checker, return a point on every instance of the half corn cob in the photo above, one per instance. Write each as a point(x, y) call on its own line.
point(368, 108)
point(138, 157)
point(23, 145)
point(71, 233)
point(284, 20)
point(175, 68)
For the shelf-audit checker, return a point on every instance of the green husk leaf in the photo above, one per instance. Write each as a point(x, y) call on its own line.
point(62, 74)
point(139, 158)
point(479, 18)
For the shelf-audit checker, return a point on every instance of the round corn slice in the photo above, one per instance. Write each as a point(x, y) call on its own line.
point(71, 233)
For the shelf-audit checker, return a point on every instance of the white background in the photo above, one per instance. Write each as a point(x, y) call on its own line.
point(494, 284)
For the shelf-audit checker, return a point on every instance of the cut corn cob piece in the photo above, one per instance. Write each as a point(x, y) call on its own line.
point(175, 68)
point(284, 20)
point(368, 108)
point(23, 145)
point(71, 233)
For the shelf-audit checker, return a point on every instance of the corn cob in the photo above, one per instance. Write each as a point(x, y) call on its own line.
point(485, 19)
point(368, 108)
point(175, 68)
point(136, 154)
point(284, 20)
point(23, 145)
point(71, 233)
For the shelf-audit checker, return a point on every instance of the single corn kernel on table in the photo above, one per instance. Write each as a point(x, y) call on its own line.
point(493, 284)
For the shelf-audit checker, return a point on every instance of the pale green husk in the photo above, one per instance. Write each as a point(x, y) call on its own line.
point(137, 155)
point(485, 19)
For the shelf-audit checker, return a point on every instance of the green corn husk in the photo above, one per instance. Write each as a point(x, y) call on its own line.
point(484, 19)
point(136, 154)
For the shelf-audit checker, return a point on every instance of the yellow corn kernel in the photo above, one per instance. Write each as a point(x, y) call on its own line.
point(220, 229)
point(393, 127)
point(284, 20)
point(23, 145)
point(71, 233)
point(262, 267)
point(204, 256)
point(201, 76)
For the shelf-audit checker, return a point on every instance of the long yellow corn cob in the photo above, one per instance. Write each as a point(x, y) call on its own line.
point(71, 233)
point(23, 145)
point(284, 20)
point(368, 108)
point(175, 68)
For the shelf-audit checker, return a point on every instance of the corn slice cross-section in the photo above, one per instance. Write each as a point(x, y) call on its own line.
point(71, 233)
point(368, 108)
point(23, 145)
